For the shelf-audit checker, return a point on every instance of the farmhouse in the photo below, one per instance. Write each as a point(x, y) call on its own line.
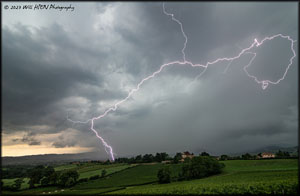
point(267, 155)
point(186, 155)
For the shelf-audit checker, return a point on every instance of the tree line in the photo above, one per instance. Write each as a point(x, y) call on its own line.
point(195, 168)
point(45, 176)
point(147, 158)
point(278, 155)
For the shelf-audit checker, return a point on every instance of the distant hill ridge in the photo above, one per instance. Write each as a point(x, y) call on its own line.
point(272, 148)
point(51, 158)
point(275, 148)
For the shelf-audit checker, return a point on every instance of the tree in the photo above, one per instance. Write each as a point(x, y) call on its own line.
point(121, 160)
point(223, 157)
point(286, 154)
point(187, 160)
point(70, 182)
point(282, 154)
point(35, 175)
point(148, 158)
point(164, 175)
point(131, 160)
point(107, 162)
point(48, 171)
point(236, 158)
point(15, 171)
point(200, 167)
point(259, 155)
point(164, 156)
point(158, 157)
point(103, 173)
point(247, 156)
point(138, 159)
point(204, 154)
point(45, 181)
point(48, 174)
point(68, 178)
point(74, 174)
point(17, 183)
point(53, 178)
point(94, 177)
point(83, 180)
point(279, 153)
point(177, 157)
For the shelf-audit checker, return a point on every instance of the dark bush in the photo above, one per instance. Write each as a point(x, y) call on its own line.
point(164, 175)
point(68, 178)
point(9, 188)
point(94, 177)
point(15, 187)
point(83, 180)
point(200, 167)
point(15, 171)
point(103, 173)
point(45, 181)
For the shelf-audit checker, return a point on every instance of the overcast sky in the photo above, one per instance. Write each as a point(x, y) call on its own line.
point(78, 63)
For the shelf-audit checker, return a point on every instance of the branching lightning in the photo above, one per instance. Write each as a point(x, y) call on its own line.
point(184, 62)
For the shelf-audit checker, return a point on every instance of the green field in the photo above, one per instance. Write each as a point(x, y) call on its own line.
point(65, 167)
point(240, 176)
point(85, 170)
point(277, 176)
point(109, 171)
point(9, 182)
point(141, 174)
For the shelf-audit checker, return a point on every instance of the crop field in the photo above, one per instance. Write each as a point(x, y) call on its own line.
point(261, 165)
point(239, 177)
point(275, 176)
point(141, 174)
point(109, 170)
point(89, 169)
point(9, 182)
point(133, 176)
point(65, 167)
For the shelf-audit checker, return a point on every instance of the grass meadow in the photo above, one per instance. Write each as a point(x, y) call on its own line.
point(274, 176)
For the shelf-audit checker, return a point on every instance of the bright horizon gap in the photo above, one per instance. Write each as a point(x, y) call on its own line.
point(27, 150)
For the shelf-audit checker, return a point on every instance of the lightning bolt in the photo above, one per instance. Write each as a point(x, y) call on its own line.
point(184, 62)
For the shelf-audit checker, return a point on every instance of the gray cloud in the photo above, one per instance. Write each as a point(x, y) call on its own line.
point(62, 144)
point(85, 63)
point(29, 139)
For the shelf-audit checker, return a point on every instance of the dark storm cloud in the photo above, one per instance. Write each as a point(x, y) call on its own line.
point(31, 83)
point(218, 114)
point(151, 40)
point(54, 70)
point(63, 143)
point(29, 139)
point(211, 25)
